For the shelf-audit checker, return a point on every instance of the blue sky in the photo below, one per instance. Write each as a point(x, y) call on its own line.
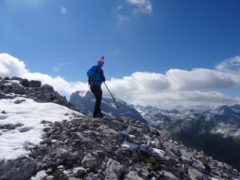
point(65, 37)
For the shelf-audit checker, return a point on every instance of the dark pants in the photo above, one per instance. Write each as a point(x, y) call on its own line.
point(97, 91)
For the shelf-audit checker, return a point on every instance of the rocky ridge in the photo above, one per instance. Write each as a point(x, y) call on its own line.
point(18, 87)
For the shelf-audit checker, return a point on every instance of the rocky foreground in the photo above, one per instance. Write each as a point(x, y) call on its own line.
point(109, 148)
point(87, 148)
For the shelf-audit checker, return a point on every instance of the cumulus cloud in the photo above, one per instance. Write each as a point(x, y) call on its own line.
point(177, 80)
point(11, 66)
point(177, 88)
point(197, 88)
point(201, 79)
point(231, 64)
point(141, 6)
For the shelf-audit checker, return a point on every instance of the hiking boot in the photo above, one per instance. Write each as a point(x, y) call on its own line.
point(100, 115)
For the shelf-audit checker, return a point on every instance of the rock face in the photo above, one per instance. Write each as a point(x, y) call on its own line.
point(113, 149)
point(84, 100)
point(17, 87)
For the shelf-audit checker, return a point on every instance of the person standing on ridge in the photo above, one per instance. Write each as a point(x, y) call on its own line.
point(95, 80)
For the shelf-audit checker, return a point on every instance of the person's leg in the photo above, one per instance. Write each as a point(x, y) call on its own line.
point(93, 90)
point(97, 91)
point(98, 101)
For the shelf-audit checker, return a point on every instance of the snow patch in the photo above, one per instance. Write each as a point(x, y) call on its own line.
point(127, 144)
point(160, 152)
point(83, 93)
point(14, 141)
point(40, 175)
point(125, 133)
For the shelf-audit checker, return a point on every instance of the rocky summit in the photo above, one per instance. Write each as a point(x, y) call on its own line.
point(18, 87)
point(109, 148)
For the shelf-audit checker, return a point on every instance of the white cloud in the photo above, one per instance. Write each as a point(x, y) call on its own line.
point(126, 12)
point(11, 66)
point(141, 6)
point(231, 64)
point(201, 79)
point(59, 84)
point(177, 80)
point(176, 88)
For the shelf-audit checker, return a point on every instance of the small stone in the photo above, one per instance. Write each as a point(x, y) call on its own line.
point(61, 167)
point(114, 170)
point(133, 175)
point(50, 178)
point(169, 175)
point(19, 101)
point(89, 161)
point(49, 170)
point(46, 129)
point(25, 129)
point(79, 172)
point(73, 178)
point(44, 122)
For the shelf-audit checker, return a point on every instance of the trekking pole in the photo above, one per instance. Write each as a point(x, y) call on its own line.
point(112, 96)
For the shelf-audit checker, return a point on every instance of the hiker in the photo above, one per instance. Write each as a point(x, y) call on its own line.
point(95, 79)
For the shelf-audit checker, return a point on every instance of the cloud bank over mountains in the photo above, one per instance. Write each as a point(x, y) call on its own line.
point(197, 88)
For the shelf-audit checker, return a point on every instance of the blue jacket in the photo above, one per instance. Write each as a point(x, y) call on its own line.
point(97, 76)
